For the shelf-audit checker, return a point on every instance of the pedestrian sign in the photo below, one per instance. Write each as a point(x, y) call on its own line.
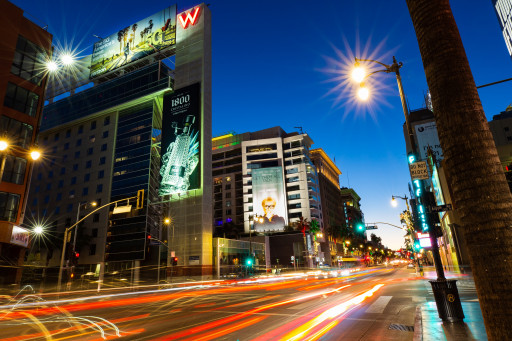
point(418, 170)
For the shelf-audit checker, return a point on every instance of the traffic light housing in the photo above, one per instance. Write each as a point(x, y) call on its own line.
point(74, 258)
point(174, 260)
point(140, 199)
point(248, 262)
point(360, 227)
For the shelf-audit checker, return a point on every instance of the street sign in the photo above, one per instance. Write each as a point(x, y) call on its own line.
point(371, 227)
point(418, 170)
point(441, 208)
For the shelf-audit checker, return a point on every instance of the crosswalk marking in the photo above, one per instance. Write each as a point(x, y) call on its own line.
point(379, 305)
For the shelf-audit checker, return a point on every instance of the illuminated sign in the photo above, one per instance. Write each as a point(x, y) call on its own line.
point(134, 42)
point(425, 242)
point(269, 205)
point(20, 236)
point(181, 125)
point(189, 17)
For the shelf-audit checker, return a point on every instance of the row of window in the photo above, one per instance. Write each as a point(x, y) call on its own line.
point(106, 122)
point(19, 133)
point(29, 60)
point(69, 209)
point(9, 204)
point(21, 99)
point(60, 184)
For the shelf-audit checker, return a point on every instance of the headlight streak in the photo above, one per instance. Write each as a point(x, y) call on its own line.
point(329, 314)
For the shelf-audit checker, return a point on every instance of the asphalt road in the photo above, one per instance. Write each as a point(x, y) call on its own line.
point(374, 304)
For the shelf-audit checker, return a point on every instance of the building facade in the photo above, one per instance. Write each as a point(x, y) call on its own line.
point(25, 47)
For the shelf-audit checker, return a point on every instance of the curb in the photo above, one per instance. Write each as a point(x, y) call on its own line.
point(418, 325)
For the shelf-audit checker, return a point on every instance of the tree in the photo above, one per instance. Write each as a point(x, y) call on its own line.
point(475, 176)
point(134, 28)
point(314, 226)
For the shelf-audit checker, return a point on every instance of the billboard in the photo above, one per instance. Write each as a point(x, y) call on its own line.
point(134, 42)
point(503, 10)
point(269, 205)
point(180, 167)
point(426, 135)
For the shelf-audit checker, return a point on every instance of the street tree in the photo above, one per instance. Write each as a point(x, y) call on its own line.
point(479, 188)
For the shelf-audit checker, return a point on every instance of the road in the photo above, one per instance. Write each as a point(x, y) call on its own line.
point(369, 304)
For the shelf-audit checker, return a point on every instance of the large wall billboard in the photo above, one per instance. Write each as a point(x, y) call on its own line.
point(181, 126)
point(269, 205)
point(134, 42)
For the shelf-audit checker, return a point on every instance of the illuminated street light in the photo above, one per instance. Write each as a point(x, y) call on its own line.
point(38, 229)
point(52, 66)
point(358, 73)
point(363, 93)
point(167, 221)
point(67, 59)
point(394, 203)
point(3, 145)
point(35, 154)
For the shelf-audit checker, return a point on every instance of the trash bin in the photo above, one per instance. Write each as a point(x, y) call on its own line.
point(447, 300)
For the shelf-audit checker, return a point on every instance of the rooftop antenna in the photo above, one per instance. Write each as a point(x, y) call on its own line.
point(300, 129)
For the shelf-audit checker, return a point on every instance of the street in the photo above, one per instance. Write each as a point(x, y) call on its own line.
point(370, 304)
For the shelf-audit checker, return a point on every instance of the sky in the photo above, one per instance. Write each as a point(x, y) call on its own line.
point(287, 63)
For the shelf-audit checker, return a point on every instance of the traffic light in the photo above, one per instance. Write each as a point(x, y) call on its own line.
point(140, 199)
point(360, 227)
point(174, 260)
point(74, 258)
point(248, 261)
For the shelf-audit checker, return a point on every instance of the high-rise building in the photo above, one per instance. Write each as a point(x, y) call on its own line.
point(503, 10)
point(263, 174)
point(332, 205)
point(25, 47)
point(142, 126)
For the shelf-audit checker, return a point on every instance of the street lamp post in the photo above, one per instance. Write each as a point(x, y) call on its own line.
point(67, 236)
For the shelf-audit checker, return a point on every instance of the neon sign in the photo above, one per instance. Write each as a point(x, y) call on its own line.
point(189, 18)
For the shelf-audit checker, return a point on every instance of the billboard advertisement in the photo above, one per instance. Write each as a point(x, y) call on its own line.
point(134, 42)
point(269, 205)
point(180, 166)
point(426, 135)
point(20, 236)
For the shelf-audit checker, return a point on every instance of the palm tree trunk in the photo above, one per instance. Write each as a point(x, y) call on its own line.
point(479, 189)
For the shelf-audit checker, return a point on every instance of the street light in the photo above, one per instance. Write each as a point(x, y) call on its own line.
point(38, 230)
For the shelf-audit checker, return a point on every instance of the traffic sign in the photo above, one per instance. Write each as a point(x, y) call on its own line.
point(371, 227)
point(441, 208)
point(418, 170)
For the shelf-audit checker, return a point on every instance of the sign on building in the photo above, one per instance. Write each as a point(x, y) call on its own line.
point(145, 37)
point(181, 126)
point(426, 135)
point(269, 205)
point(20, 236)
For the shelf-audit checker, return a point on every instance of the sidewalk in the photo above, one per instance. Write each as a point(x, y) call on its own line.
point(429, 327)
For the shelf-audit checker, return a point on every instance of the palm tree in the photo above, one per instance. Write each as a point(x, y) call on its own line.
point(478, 185)
point(120, 40)
point(134, 28)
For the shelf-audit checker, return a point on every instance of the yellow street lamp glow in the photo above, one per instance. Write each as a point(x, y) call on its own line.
point(347, 242)
point(51, 66)
point(94, 204)
point(3, 145)
point(363, 93)
point(394, 203)
point(38, 229)
point(358, 73)
point(167, 221)
point(67, 59)
point(35, 154)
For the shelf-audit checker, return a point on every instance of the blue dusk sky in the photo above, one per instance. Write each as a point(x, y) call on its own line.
point(285, 63)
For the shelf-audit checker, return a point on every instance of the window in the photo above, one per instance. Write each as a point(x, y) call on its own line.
point(78, 142)
point(69, 208)
point(228, 203)
point(228, 195)
point(95, 219)
point(106, 121)
point(80, 129)
point(90, 151)
point(54, 150)
point(101, 174)
point(39, 176)
point(72, 193)
point(57, 210)
point(102, 160)
point(37, 189)
point(22, 131)
point(95, 231)
point(85, 191)
point(228, 212)
point(14, 170)
point(88, 164)
point(27, 61)
point(63, 171)
point(46, 199)
point(506, 128)
point(61, 184)
point(228, 186)
point(87, 177)
point(103, 147)
point(21, 99)
point(59, 196)
point(56, 137)
point(68, 133)
point(105, 134)
point(93, 125)
point(99, 188)
point(92, 249)
point(50, 174)
point(34, 202)
point(77, 155)
point(48, 186)
point(73, 180)
point(66, 146)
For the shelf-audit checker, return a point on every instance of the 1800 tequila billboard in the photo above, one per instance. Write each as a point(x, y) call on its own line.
point(181, 125)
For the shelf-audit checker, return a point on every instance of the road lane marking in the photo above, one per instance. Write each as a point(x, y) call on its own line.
point(379, 305)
